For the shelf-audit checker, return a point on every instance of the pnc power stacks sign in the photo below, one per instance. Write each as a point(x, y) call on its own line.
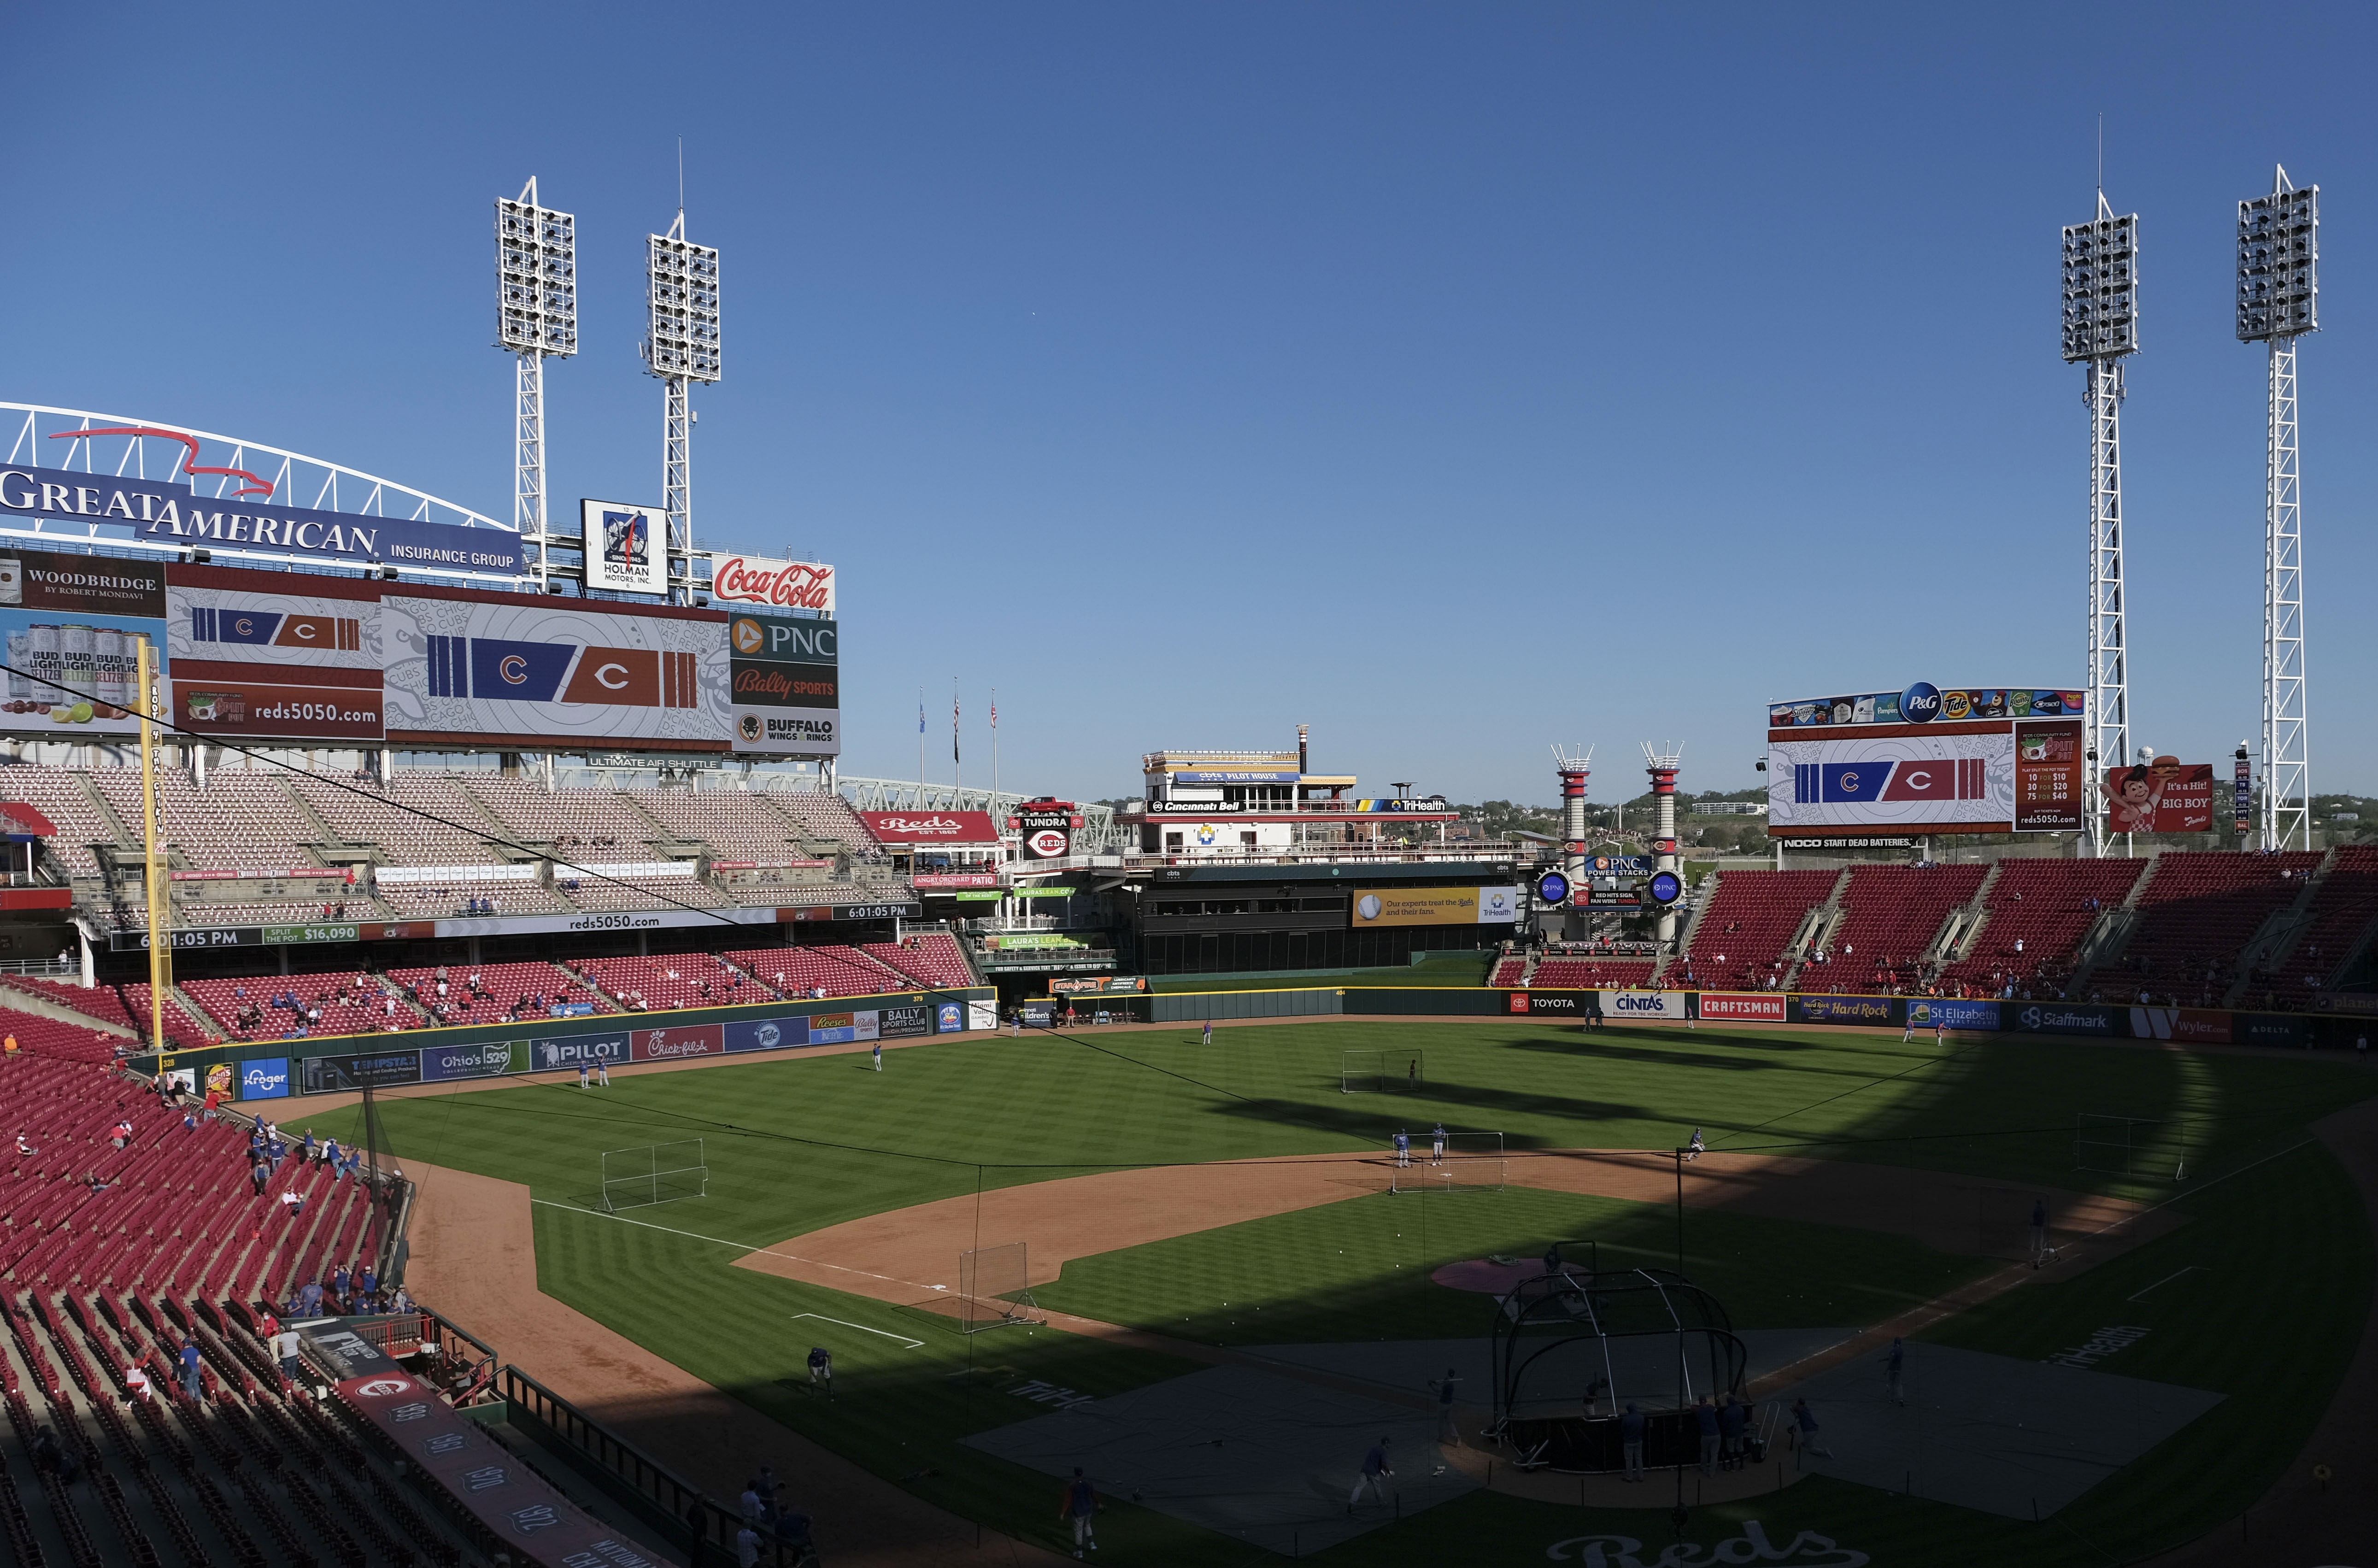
point(1927, 761)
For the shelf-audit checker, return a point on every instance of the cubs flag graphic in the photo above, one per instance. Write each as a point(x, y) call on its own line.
point(479, 670)
point(1911, 782)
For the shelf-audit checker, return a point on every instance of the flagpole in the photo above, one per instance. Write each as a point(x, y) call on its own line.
point(920, 746)
point(957, 764)
point(994, 749)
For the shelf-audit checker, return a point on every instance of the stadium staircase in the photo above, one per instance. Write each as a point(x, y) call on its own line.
point(1815, 931)
point(2267, 952)
point(1965, 926)
point(1705, 895)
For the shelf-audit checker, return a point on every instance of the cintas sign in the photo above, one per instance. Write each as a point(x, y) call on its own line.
point(783, 585)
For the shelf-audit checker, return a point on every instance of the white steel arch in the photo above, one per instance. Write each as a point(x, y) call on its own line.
point(222, 467)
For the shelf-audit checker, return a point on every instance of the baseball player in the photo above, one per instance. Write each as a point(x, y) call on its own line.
point(1940, 1028)
point(1374, 1474)
point(822, 1370)
point(1908, 1032)
point(1437, 1145)
point(1403, 1148)
point(1081, 1505)
point(1209, 1033)
point(582, 1075)
point(1695, 1149)
point(603, 1071)
point(879, 1056)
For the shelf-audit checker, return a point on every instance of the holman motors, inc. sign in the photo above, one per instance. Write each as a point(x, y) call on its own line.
point(160, 512)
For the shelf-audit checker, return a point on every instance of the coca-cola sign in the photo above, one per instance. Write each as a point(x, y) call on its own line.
point(785, 585)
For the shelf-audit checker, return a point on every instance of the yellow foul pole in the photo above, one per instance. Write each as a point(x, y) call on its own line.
point(160, 956)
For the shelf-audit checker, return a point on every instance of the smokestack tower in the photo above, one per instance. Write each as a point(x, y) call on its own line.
point(1304, 748)
point(1662, 765)
point(1574, 770)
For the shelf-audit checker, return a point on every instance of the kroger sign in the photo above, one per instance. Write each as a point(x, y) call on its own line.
point(264, 1078)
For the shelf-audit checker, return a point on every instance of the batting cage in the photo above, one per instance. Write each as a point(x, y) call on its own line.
point(992, 1289)
point(654, 1173)
point(1363, 1070)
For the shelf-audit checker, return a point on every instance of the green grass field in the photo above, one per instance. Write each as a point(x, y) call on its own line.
point(797, 1143)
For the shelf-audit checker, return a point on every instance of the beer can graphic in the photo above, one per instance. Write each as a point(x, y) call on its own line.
point(20, 686)
point(112, 675)
point(41, 660)
point(73, 661)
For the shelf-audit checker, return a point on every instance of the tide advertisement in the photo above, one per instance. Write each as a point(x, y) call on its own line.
point(1905, 783)
point(269, 666)
point(473, 668)
point(1434, 906)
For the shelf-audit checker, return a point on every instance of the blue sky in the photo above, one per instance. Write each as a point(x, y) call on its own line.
point(1457, 379)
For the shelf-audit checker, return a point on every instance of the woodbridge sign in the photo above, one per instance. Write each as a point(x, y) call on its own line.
point(161, 512)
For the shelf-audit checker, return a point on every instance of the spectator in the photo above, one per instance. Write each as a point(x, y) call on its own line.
point(748, 1546)
point(1631, 1438)
point(752, 1503)
point(137, 1385)
point(284, 1350)
point(339, 1281)
point(192, 1385)
point(366, 1281)
point(50, 1454)
point(293, 1202)
point(1705, 1419)
point(258, 1173)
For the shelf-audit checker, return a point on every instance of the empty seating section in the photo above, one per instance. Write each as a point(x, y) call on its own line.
point(60, 796)
point(679, 979)
point(572, 820)
point(1742, 939)
point(504, 991)
point(1890, 914)
point(1591, 974)
point(100, 1001)
point(454, 900)
point(1507, 969)
point(361, 813)
point(932, 958)
point(277, 1007)
point(819, 971)
point(244, 821)
point(353, 907)
point(56, 1036)
point(736, 825)
point(825, 816)
point(2341, 913)
point(2196, 915)
point(120, 1250)
point(2038, 913)
point(181, 1029)
point(611, 890)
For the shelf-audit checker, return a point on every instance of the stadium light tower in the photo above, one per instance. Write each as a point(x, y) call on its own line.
point(2101, 327)
point(2279, 300)
point(681, 285)
point(536, 316)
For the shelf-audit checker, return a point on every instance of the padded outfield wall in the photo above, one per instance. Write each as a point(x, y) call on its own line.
point(271, 1069)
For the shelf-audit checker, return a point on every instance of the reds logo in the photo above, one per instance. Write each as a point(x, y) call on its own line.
point(380, 1388)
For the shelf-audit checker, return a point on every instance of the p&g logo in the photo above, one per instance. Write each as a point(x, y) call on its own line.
point(1920, 704)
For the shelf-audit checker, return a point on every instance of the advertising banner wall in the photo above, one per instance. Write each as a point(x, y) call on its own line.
point(489, 1059)
point(1923, 703)
point(72, 625)
point(1752, 1007)
point(1433, 906)
point(1556, 1004)
point(381, 1070)
point(247, 661)
point(2165, 795)
point(785, 685)
point(1949, 1012)
point(841, 1028)
point(2064, 1018)
point(766, 1034)
point(470, 669)
point(164, 512)
point(264, 1078)
point(568, 1050)
point(772, 585)
point(2195, 1025)
point(1903, 781)
point(2267, 1029)
point(1675, 1006)
point(677, 1043)
point(1845, 1009)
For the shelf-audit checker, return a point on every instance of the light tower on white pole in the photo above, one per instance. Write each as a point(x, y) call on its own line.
point(2279, 300)
point(2101, 327)
point(536, 316)
point(681, 285)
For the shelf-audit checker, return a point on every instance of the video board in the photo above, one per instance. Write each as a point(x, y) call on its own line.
point(274, 656)
point(1926, 759)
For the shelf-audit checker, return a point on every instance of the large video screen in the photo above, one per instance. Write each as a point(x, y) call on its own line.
point(1927, 761)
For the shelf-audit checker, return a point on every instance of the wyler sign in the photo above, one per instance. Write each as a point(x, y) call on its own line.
point(165, 513)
